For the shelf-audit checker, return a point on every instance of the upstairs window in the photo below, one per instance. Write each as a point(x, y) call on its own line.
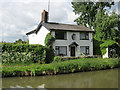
point(60, 35)
point(84, 36)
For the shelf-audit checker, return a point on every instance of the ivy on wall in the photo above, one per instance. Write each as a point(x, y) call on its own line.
point(49, 51)
point(49, 40)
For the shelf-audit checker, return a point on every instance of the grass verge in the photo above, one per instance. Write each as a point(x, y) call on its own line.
point(69, 66)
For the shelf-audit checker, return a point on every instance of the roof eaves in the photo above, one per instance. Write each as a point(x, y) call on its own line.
point(38, 28)
point(33, 31)
point(72, 30)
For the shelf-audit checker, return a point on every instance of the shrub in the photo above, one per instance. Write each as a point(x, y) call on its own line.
point(49, 54)
point(13, 53)
point(57, 59)
point(16, 57)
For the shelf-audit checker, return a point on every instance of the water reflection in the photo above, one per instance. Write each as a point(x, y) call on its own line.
point(95, 79)
point(17, 86)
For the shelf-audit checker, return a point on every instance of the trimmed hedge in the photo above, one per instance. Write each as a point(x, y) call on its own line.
point(11, 47)
point(16, 53)
point(82, 64)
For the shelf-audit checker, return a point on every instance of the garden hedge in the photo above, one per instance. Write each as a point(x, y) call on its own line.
point(12, 52)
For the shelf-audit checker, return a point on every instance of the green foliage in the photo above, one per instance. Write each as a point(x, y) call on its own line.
point(105, 30)
point(38, 53)
point(49, 40)
point(16, 57)
point(96, 47)
point(49, 54)
point(19, 41)
point(108, 43)
point(13, 53)
point(105, 26)
point(57, 59)
point(88, 10)
point(83, 64)
point(105, 45)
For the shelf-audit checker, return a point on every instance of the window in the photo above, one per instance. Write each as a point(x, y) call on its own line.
point(73, 36)
point(84, 36)
point(84, 49)
point(61, 50)
point(60, 35)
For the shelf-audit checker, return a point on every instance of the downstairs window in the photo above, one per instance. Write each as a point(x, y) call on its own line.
point(61, 50)
point(84, 50)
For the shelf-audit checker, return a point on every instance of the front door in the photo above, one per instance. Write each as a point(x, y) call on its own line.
point(73, 51)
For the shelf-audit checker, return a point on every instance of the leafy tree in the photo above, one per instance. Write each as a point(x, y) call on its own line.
point(19, 41)
point(88, 10)
point(105, 26)
point(106, 29)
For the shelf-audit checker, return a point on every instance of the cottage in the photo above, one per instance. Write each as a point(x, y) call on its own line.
point(70, 40)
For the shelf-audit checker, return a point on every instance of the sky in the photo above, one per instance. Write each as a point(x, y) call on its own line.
point(17, 17)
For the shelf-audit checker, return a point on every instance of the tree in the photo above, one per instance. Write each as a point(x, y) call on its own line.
point(106, 31)
point(19, 41)
point(88, 10)
point(105, 26)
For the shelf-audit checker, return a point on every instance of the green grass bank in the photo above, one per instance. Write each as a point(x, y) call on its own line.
point(69, 66)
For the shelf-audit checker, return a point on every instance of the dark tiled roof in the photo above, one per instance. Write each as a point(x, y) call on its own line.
point(68, 27)
point(59, 26)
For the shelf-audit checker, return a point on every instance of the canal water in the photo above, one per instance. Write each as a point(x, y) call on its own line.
point(92, 79)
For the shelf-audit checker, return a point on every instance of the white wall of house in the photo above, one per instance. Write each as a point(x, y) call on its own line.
point(77, 40)
point(39, 37)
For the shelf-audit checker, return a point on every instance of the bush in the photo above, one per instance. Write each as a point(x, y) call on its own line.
point(17, 57)
point(49, 54)
point(57, 59)
point(13, 53)
point(11, 47)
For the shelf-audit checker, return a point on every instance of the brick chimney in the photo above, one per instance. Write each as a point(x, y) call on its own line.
point(44, 16)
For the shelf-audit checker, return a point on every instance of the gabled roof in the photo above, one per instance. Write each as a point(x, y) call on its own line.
point(74, 43)
point(59, 26)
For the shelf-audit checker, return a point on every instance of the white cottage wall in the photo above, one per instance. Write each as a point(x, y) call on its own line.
point(39, 37)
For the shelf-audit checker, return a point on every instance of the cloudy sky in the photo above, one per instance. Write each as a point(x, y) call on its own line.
point(17, 17)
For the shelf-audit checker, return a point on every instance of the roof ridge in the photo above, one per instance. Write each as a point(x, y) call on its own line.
point(62, 23)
